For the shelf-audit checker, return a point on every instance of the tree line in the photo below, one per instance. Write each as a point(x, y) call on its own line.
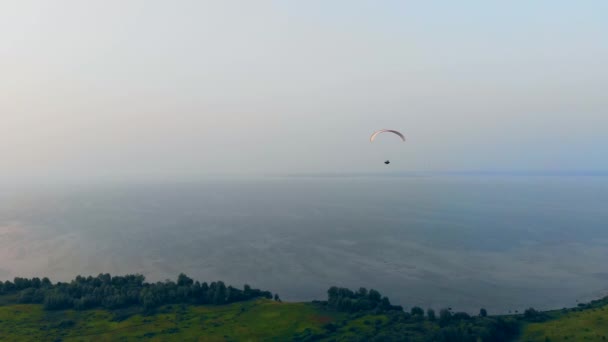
point(115, 292)
point(444, 326)
point(343, 299)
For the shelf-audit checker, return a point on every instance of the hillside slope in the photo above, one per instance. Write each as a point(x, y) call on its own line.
point(589, 323)
point(255, 320)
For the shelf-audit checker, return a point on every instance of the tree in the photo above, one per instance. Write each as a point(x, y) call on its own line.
point(417, 311)
point(533, 315)
point(46, 282)
point(219, 295)
point(483, 312)
point(530, 313)
point(9, 287)
point(184, 280)
point(57, 301)
point(31, 295)
point(22, 283)
point(332, 293)
point(374, 295)
point(430, 313)
point(444, 317)
point(386, 303)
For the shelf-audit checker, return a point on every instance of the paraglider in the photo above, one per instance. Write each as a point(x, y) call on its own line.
point(376, 133)
point(373, 137)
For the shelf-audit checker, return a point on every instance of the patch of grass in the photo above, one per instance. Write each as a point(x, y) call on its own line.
point(248, 321)
point(590, 324)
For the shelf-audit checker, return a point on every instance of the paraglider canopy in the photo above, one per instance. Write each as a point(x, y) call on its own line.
point(373, 137)
point(376, 133)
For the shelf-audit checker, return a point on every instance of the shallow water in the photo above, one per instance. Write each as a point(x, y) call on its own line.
point(462, 242)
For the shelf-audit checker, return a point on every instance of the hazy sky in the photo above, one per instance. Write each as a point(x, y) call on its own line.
point(107, 89)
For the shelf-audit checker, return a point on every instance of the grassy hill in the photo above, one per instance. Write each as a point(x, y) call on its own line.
point(589, 323)
point(258, 320)
point(125, 308)
point(254, 320)
point(261, 320)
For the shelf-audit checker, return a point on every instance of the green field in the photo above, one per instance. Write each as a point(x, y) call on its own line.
point(259, 320)
point(250, 321)
point(584, 325)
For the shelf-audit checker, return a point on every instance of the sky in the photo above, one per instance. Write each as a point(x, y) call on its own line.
point(179, 89)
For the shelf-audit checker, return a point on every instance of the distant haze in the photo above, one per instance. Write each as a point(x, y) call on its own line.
point(170, 89)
